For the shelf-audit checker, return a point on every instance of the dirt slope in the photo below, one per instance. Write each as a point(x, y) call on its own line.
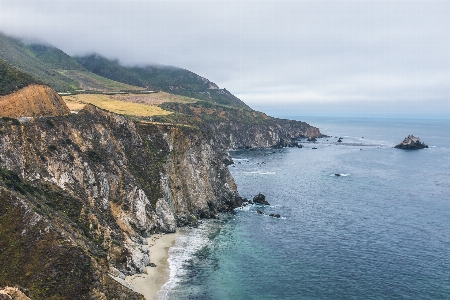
point(33, 101)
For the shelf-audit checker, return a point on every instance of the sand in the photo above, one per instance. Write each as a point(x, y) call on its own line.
point(149, 284)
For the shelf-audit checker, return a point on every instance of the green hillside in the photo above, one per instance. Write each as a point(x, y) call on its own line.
point(54, 67)
point(41, 62)
point(169, 79)
point(12, 79)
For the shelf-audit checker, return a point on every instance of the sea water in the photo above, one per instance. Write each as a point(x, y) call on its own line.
point(380, 230)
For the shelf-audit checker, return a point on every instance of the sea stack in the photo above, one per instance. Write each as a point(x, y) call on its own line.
point(260, 199)
point(411, 143)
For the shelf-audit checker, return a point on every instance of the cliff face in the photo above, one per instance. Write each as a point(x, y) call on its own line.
point(97, 184)
point(31, 101)
point(273, 133)
point(234, 128)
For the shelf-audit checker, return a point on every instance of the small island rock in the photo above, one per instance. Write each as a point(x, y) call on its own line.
point(260, 199)
point(411, 143)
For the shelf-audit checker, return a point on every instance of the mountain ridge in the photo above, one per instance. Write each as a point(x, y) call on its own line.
point(165, 78)
point(50, 65)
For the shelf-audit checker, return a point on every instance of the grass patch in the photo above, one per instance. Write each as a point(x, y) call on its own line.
point(52, 148)
point(13, 181)
point(94, 156)
point(11, 121)
point(91, 81)
point(107, 102)
point(50, 123)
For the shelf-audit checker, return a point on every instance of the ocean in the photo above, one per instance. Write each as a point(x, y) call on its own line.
point(380, 230)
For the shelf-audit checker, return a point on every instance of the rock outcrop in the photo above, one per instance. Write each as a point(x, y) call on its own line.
point(11, 293)
point(83, 191)
point(411, 143)
point(234, 128)
point(32, 101)
point(260, 199)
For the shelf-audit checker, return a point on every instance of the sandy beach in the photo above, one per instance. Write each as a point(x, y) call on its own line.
point(149, 284)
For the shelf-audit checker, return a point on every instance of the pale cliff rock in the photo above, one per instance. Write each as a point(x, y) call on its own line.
point(12, 293)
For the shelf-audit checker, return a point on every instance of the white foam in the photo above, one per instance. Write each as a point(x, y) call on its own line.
point(186, 245)
point(340, 175)
point(243, 208)
point(260, 173)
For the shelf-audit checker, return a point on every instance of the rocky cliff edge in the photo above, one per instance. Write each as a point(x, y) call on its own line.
point(81, 192)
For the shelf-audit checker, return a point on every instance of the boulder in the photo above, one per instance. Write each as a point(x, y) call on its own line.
point(260, 199)
point(312, 139)
point(227, 161)
point(411, 143)
point(259, 212)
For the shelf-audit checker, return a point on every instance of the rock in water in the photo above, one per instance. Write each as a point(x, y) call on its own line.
point(260, 199)
point(411, 143)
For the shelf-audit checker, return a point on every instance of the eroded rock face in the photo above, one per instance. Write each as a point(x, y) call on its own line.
point(12, 293)
point(233, 128)
point(411, 143)
point(33, 101)
point(130, 179)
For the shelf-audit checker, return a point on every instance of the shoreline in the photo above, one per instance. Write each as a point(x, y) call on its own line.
point(158, 248)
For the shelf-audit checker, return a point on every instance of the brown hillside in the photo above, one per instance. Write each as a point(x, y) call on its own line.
point(33, 101)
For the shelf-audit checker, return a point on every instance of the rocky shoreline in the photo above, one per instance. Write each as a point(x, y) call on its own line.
point(100, 184)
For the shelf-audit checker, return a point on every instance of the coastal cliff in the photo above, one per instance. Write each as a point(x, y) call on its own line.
point(80, 193)
point(235, 128)
point(89, 187)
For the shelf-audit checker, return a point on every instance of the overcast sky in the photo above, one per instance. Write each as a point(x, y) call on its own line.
point(338, 58)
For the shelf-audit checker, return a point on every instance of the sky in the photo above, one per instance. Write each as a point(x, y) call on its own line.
point(297, 58)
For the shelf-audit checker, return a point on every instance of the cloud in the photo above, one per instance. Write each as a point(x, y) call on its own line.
point(269, 53)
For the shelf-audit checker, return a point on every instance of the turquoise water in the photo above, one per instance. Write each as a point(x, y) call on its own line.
point(381, 230)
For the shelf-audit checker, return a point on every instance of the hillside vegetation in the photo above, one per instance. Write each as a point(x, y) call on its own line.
point(54, 67)
point(109, 103)
point(169, 79)
point(216, 112)
point(93, 82)
point(41, 62)
point(12, 79)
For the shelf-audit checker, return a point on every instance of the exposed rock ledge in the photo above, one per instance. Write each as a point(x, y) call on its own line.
point(12, 293)
point(411, 143)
